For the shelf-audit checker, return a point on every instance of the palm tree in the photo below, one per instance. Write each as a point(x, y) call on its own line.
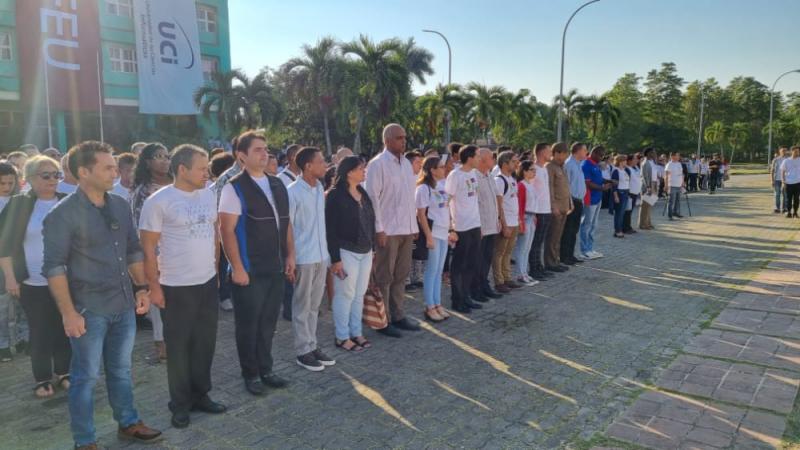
point(317, 73)
point(601, 114)
point(224, 95)
point(716, 134)
point(262, 106)
point(433, 107)
point(737, 135)
point(484, 104)
point(570, 101)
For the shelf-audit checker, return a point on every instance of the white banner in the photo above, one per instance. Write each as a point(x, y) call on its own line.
point(168, 54)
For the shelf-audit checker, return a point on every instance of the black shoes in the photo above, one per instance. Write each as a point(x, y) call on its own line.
point(274, 381)
point(492, 294)
point(323, 359)
point(479, 297)
point(390, 331)
point(255, 387)
point(463, 309)
point(207, 405)
point(22, 348)
point(472, 305)
point(556, 269)
point(405, 324)
point(180, 419)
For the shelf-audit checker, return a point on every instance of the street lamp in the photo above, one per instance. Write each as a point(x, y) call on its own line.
point(702, 107)
point(561, 86)
point(447, 116)
point(771, 107)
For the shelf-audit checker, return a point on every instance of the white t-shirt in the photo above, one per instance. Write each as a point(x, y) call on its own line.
point(33, 244)
point(623, 178)
point(187, 222)
point(229, 202)
point(636, 181)
point(66, 188)
point(530, 197)
point(790, 169)
point(675, 170)
point(436, 202)
point(462, 187)
point(508, 185)
point(541, 191)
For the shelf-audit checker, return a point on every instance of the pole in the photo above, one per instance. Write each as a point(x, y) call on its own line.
point(700, 133)
point(771, 108)
point(449, 82)
point(561, 84)
point(100, 97)
point(47, 103)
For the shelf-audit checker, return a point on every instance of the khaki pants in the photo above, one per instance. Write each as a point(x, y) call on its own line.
point(644, 216)
point(552, 249)
point(501, 262)
point(392, 265)
point(308, 290)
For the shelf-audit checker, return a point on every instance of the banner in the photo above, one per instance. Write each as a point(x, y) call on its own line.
point(62, 37)
point(168, 54)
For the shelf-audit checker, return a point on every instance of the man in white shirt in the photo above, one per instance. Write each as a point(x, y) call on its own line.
point(462, 187)
point(180, 221)
point(126, 163)
point(673, 174)
point(307, 215)
point(490, 203)
point(777, 183)
point(291, 172)
point(543, 212)
point(69, 184)
point(507, 189)
point(693, 167)
point(391, 186)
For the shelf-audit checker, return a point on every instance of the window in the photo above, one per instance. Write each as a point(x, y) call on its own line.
point(209, 67)
point(206, 19)
point(123, 58)
point(119, 8)
point(5, 47)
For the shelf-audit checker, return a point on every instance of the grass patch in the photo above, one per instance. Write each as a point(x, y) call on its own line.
point(791, 436)
point(598, 440)
point(749, 169)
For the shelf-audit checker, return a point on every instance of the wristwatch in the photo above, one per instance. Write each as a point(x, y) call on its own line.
point(139, 287)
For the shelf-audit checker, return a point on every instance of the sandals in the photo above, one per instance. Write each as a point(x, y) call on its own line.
point(362, 341)
point(353, 347)
point(44, 389)
point(442, 311)
point(432, 315)
point(63, 381)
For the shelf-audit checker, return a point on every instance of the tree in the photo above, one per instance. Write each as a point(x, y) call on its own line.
point(715, 134)
point(738, 134)
point(317, 73)
point(432, 109)
point(484, 104)
point(600, 113)
point(569, 102)
point(226, 96)
point(626, 96)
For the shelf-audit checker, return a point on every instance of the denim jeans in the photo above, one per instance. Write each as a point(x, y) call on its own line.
point(109, 339)
point(348, 294)
point(522, 248)
point(619, 210)
point(674, 207)
point(11, 309)
point(432, 281)
point(588, 224)
point(777, 186)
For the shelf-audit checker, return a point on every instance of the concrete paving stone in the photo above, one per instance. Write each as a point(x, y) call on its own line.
point(759, 322)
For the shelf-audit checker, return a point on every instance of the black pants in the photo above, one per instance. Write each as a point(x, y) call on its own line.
point(224, 278)
point(463, 267)
point(692, 182)
point(792, 197)
point(49, 345)
point(535, 258)
point(190, 332)
point(571, 227)
point(626, 218)
point(288, 293)
point(713, 181)
point(255, 311)
point(480, 282)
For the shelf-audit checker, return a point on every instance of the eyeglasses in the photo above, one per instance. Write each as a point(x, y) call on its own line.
point(50, 175)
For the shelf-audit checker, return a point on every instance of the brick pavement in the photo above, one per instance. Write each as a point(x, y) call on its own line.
point(547, 367)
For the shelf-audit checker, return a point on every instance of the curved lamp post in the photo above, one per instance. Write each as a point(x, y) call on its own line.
point(771, 108)
point(561, 85)
point(447, 116)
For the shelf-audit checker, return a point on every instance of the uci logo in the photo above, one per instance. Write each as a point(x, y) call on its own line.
point(168, 47)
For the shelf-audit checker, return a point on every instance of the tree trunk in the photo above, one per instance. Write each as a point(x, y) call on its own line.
point(359, 125)
point(327, 132)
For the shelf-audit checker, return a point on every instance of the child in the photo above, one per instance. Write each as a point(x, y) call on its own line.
point(527, 224)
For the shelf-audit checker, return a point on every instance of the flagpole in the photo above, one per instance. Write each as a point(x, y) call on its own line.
point(47, 103)
point(100, 96)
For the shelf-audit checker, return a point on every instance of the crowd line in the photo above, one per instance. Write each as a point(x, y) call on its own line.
point(92, 242)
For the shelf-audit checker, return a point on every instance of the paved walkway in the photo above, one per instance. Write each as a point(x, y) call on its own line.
point(551, 366)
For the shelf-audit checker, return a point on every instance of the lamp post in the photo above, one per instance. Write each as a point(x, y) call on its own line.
point(447, 115)
point(771, 108)
point(702, 108)
point(561, 85)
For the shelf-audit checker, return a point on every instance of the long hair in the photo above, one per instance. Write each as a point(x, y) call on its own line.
point(523, 166)
point(346, 165)
point(426, 174)
point(142, 174)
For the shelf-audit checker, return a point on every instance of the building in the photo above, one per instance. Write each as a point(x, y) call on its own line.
point(122, 123)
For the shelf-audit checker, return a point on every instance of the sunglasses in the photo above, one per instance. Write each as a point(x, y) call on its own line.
point(47, 176)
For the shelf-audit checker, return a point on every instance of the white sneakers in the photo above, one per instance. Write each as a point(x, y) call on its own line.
point(526, 280)
point(592, 255)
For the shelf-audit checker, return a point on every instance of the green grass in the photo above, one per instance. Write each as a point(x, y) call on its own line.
point(598, 440)
point(749, 169)
point(791, 436)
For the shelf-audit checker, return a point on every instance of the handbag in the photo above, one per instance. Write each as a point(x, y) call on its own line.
point(374, 314)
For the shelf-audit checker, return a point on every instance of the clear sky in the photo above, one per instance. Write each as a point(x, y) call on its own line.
point(517, 43)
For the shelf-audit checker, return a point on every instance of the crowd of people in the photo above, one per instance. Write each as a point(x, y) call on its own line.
point(91, 239)
point(784, 171)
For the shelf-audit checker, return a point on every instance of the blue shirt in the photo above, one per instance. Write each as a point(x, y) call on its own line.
point(593, 173)
point(577, 184)
point(307, 216)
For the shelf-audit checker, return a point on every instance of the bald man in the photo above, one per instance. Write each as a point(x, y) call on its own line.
point(491, 214)
point(391, 185)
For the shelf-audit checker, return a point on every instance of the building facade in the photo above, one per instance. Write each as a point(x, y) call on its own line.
point(118, 68)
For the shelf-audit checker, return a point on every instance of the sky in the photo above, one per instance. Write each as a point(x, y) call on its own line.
point(517, 43)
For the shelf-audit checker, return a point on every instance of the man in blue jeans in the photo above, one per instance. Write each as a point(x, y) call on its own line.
point(595, 186)
point(91, 252)
point(777, 184)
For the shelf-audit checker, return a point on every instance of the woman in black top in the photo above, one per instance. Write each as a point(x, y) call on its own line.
point(350, 225)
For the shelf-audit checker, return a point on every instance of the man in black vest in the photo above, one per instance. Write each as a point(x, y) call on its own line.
point(257, 238)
